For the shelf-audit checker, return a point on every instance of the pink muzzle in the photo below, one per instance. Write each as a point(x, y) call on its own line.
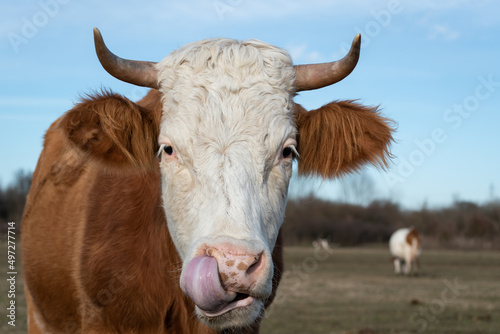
point(222, 280)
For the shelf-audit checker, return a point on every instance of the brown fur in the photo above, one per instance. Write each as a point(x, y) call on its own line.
point(340, 137)
point(413, 235)
point(97, 254)
point(114, 129)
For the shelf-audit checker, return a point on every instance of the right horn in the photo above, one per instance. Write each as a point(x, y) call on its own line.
point(140, 73)
point(314, 76)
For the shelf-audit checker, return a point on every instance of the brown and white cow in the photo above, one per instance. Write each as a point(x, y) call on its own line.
point(164, 216)
point(405, 248)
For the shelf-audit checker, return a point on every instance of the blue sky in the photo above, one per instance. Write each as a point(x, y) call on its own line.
point(432, 66)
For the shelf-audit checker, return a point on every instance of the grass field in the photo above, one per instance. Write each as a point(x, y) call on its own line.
point(353, 290)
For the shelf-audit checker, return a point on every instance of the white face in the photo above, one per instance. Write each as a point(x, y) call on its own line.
point(227, 142)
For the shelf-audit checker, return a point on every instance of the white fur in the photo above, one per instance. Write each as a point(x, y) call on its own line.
point(321, 244)
point(402, 250)
point(228, 113)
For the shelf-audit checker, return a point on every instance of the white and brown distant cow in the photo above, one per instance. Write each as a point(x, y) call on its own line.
point(321, 244)
point(164, 216)
point(405, 248)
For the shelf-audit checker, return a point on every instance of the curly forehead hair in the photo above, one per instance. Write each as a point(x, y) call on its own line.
point(241, 62)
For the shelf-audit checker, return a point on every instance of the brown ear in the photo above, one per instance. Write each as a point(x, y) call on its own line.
point(114, 130)
point(340, 137)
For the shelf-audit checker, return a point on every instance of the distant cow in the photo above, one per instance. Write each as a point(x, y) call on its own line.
point(405, 248)
point(321, 244)
point(164, 215)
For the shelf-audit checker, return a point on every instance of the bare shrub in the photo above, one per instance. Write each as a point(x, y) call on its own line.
point(463, 225)
point(13, 199)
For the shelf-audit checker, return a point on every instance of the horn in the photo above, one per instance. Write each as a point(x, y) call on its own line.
point(314, 76)
point(140, 73)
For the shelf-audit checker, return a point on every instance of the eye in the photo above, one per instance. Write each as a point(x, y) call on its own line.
point(287, 152)
point(169, 150)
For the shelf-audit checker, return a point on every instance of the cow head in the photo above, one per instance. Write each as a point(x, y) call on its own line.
point(228, 135)
point(413, 241)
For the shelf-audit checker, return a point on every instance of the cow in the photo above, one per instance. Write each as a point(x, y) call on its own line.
point(164, 215)
point(405, 248)
point(321, 244)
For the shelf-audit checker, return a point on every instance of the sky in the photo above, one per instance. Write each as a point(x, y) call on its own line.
point(432, 66)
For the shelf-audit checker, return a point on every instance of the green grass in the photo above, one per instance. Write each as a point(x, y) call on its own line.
point(353, 290)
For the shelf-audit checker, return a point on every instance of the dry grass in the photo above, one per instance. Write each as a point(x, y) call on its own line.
point(354, 291)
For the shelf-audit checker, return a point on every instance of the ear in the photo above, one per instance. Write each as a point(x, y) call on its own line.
point(340, 137)
point(114, 130)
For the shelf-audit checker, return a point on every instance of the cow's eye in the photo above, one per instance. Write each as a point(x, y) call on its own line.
point(169, 150)
point(287, 152)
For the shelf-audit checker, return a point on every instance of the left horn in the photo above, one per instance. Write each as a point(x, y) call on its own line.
point(314, 76)
point(140, 73)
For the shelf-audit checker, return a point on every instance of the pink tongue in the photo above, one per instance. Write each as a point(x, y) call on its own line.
point(200, 281)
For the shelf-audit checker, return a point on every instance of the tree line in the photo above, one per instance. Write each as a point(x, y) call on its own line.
point(460, 225)
point(13, 199)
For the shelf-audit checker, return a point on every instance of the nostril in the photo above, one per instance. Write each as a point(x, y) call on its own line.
point(239, 269)
point(256, 265)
